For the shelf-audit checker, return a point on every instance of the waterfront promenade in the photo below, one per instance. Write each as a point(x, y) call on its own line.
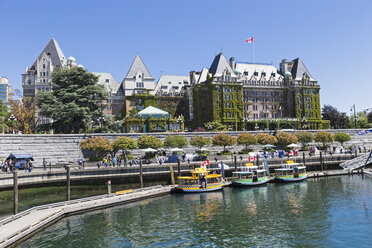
point(19, 226)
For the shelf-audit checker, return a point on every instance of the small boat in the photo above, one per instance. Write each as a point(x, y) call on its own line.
point(201, 180)
point(291, 172)
point(250, 176)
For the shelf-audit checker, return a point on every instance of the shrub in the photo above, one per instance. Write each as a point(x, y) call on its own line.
point(199, 141)
point(285, 139)
point(305, 138)
point(175, 141)
point(99, 146)
point(246, 139)
point(224, 140)
point(341, 137)
point(264, 139)
point(124, 144)
point(215, 126)
point(146, 141)
point(323, 137)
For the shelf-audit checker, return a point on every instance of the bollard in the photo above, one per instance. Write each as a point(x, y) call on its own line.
point(179, 166)
point(68, 179)
point(172, 174)
point(235, 162)
point(320, 160)
point(108, 187)
point(303, 158)
point(141, 176)
point(15, 191)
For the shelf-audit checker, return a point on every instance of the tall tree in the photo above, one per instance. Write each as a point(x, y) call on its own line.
point(332, 114)
point(24, 113)
point(74, 101)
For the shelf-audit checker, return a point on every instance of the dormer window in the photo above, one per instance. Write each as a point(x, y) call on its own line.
point(246, 73)
point(263, 74)
point(256, 73)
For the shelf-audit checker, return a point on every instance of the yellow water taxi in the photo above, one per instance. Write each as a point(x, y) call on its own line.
point(201, 180)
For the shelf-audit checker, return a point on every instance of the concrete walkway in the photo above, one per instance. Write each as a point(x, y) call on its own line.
point(19, 226)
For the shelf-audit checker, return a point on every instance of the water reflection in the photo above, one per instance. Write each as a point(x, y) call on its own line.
point(307, 214)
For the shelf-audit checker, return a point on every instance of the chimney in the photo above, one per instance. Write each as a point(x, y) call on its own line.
point(232, 63)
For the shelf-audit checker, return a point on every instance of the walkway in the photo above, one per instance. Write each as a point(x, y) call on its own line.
point(19, 226)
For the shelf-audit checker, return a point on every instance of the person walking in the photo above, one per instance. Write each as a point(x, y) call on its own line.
point(80, 161)
point(45, 164)
point(113, 161)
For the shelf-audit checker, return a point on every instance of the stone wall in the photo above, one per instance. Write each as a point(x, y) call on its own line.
point(65, 147)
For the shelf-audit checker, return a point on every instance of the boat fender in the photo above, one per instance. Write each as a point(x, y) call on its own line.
point(203, 185)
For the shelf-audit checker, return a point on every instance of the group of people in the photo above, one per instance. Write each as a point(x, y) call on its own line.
point(9, 165)
point(111, 161)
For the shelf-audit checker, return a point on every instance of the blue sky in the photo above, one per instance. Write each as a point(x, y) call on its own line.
point(333, 38)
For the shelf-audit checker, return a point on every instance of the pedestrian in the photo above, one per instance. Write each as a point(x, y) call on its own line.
point(44, 164)
point(125, 160)
point(80, 161)
point(360, 149)
point(119, 161)
point(105, 161)
point(215, 159)
point(113, 161)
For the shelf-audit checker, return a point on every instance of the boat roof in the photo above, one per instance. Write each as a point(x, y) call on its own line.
point(282, 169)
point(301, 167)
point(261, 170)
point(242, 172)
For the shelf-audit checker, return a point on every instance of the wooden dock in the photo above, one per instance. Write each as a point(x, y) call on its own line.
point(24, 224)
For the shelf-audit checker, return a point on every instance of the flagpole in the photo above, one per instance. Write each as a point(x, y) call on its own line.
point(254, 53)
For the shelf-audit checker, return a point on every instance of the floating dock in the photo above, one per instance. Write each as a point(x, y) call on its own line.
point(20, 226)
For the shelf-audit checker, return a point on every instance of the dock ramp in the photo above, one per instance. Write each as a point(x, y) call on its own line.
point(358, 162)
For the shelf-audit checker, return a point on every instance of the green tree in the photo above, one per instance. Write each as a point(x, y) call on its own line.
point(323, 137)
point(98, 145)
point(24, 112)
point(124, 144)
point(224, 140)
point(246, 139)
point(199, 141)
point(341, 137)
point(264, 139)
point(215, 126)
point(285, 139)
point(76, 99)
point(146, 141)
point(175, 141)
point(305, 138)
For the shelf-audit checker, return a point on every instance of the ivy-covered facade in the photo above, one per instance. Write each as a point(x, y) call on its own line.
point(247, 96)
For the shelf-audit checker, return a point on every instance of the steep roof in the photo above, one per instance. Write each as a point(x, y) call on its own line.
point(150, 110)
point(108, 81)
point(299, 69)
point(219, 65)
point(136, 66)
point(53, 50)
point(249, 69)
point(175, 82)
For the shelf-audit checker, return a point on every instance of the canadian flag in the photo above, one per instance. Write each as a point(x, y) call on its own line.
point(292, 153)
point(204, 164)
point(250, 159)
point(250, 40)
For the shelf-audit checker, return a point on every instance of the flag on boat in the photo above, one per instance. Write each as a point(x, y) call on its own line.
point(250, 40)
point(250, 159)
point(204, 164)
point(292, 153)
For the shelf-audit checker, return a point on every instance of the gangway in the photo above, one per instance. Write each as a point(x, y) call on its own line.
point(358, 162)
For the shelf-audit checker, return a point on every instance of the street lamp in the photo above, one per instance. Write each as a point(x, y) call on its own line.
point(92, 122)
point(304, 121)
point(179, 120)
point(12, 118)
point(101, 119)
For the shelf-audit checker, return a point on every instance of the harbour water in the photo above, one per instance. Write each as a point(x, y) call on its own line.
point(323, 212)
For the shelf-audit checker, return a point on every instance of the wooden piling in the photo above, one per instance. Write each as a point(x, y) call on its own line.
point(179, 166)
point(15, 192)
point(141, 174)
point(68, 179)
point(172, 174)
point(234, 163)
point(303, 158)
point(321, 161)
point(109, 187)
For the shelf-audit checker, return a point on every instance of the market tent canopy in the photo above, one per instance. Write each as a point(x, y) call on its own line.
point(293, 145)
point(268, 146)
point(154, 112)
point(149, 150)
point(176, 150)
point(21, 156)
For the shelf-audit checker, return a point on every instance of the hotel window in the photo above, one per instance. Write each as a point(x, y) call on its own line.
point(43, 66)
point(254, 107)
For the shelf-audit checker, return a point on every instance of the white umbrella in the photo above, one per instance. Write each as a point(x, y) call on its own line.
point(149, 150)
point(176, 150)
point(293, 145)
point(202, 149)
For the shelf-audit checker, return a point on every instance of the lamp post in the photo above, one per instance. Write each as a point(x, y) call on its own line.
point(101, 119)
point(179, 120)
point(12, 118)
point(92, 122)
point(304, 121)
